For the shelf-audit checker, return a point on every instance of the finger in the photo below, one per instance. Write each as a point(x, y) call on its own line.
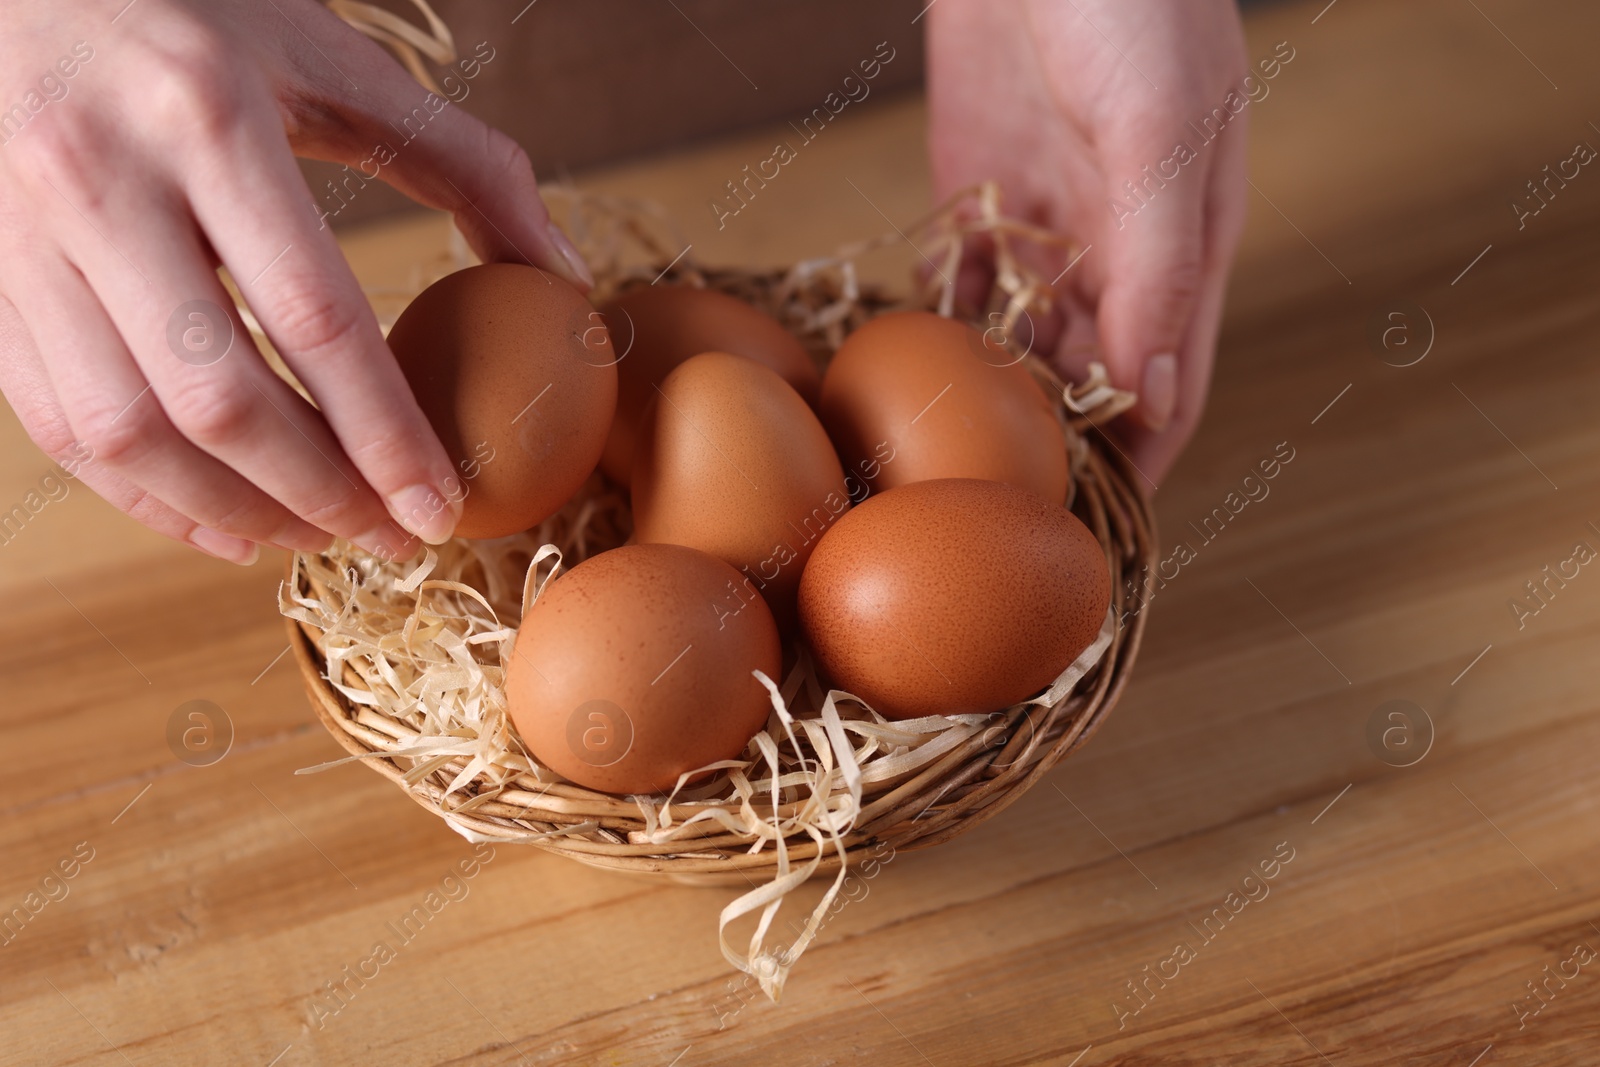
point(975, 275)
point(1078, 344)
point(972, 280)
point(108, 404)
point(1226, 208)
point(26, 385)
point(394, 130)
point(295, 279)
point(1154, 276)
point(213, 386)
point(113, 226)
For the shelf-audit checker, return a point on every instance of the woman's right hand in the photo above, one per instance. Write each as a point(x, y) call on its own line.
point(145, 144)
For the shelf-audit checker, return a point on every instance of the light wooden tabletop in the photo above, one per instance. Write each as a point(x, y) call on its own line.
point(1234, 871)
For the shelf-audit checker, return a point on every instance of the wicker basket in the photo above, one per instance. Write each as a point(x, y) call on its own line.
point(971, 781)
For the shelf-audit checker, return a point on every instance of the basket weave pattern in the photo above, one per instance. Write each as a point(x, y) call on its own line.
point(805, 822)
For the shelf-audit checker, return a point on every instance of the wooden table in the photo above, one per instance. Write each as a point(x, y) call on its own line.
point(209, 904)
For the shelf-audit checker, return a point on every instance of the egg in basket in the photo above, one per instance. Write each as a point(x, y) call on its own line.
point(756, 570)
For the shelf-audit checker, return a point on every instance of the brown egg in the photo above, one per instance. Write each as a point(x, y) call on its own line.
point(657, 327)
point(635, 667)
point(953, 596)
point(731, 461)
point(912, 395)
point(514, 371)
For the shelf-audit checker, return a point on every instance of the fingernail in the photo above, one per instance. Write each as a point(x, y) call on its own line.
point(385, 542)
point(425, 511)
point(223, 546)
point(1160, 393)
point(569, 252)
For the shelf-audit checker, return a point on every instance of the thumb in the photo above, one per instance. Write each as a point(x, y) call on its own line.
point(1152, 285)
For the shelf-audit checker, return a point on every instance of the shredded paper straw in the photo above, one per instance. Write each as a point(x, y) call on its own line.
point(406, 659)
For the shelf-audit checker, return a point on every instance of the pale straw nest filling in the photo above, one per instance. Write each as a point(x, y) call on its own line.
point(404, 660)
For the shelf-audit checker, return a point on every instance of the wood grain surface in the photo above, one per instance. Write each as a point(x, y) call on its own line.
point(1332, 908)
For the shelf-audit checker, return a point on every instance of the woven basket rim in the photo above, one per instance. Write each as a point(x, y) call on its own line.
point(958, 792)
point(926, 787)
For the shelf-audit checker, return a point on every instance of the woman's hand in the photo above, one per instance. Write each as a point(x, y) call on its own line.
point(147, 143)
point(1065, 101)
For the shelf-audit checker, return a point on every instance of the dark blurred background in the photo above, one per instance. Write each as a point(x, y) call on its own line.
point(586, 82)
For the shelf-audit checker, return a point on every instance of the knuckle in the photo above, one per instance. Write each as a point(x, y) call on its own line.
point(388, 450)
point(339, 512)
point(313, 321)
point(121, 438)
point(1183, 280)
point(244, 518)
point(145, 508)
point(196, 85)
point(507, 161)
point(66, 153)
point(211, 415)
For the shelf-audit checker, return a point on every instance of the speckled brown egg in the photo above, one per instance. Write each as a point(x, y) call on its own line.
point(731, 460)
point(952, 596)
point(657, 327)
point(635, 667)
point(912, 395)
point(514, 371)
